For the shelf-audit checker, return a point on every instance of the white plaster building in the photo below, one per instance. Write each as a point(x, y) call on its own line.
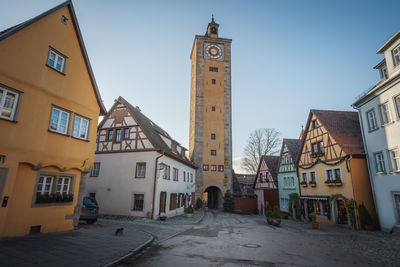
point(139, 169)
point(379, 112)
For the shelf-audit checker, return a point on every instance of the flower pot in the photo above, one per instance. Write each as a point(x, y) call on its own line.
point(315, 225)
point(369, 227)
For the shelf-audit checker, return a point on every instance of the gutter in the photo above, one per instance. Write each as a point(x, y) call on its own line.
point(155, 183)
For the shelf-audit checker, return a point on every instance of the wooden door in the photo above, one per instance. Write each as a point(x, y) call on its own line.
point(163, 198)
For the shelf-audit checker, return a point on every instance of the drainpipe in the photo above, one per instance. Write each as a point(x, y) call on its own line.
point(155, 183)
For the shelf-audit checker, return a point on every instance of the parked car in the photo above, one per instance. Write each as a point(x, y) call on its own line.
point(89, 210)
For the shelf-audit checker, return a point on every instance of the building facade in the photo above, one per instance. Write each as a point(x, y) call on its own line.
point(49, 106)
point(379, 113)
point(210, 140)
point(288, 182)
point(246, 182)
point(139, 169)
point(266, 183)
point(332, 168)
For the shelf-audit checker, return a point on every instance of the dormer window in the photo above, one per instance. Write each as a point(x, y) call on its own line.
point(214, 30)
point(384, 73)
point(396, 55)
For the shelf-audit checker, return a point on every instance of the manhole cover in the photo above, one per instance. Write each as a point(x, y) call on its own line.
point(251, 245)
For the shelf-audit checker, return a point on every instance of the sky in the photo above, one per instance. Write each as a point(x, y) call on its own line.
point(287, 56)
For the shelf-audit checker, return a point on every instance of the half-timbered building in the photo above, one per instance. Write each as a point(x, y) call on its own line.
point(139, 169)
point(288, 183)
point(266, 183)
point(332, 168)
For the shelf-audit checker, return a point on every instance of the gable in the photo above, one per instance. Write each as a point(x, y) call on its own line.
point(24, 53)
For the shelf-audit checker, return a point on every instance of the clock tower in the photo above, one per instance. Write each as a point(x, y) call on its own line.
point(210, 141)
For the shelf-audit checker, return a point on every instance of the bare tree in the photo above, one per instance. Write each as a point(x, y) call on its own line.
point(261, 142)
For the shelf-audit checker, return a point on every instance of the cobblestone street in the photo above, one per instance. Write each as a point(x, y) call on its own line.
point(238, 240)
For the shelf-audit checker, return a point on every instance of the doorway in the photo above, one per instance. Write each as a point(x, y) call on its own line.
point(342, 212)
point(214, 197)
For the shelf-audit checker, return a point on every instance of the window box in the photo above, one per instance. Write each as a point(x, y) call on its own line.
point(53, 198)
point(313, 184)
point(304, 184)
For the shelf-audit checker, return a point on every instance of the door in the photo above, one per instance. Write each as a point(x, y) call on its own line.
point(397, 206)
point(342, 212)
point(163, 200)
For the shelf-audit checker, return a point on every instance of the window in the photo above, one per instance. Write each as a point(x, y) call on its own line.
point(54, 188)
point(140, 169)
point(396, 55)
point(138, 202)
point(292, 182)
point(384, 111)
point(59, 120)
point(175, 174)
point(213, 69)
point(63, 185)
point(213, 136)
point(314, 124)
point(191, 177)
point(329, 175)
point(8, 103)
point(213, 81)
point(95, 170)
point(396, 100)
point(205, 167)
point(81, 127)
point(384, 73)
point(372, 125)
point(314, 148)
point(220, 168)
point(126, 133)
point(379, 162)
point(212, 108)
point(167, 172)
point(118, 135)
point(184, 177)
point(394, 159)
point(213, 152)
point(312, 177)
point(304, 177)
point(338, 175)
point(321, 147)
point(56, 60)
point(110, 135)
point(213, 168)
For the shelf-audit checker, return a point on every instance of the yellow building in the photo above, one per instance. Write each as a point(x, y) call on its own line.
point(49, 107)
point(332, 168)
point(210, 140)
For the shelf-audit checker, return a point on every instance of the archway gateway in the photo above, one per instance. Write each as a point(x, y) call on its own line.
point(213, 197)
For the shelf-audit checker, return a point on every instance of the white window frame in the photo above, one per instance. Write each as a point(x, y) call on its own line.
point(374, 122)
point(45, 178)
point(382, 161)
point(133, 201)
point(63, 179)
point(381, 112)
point(140, 170)
point(327, 176)
point(394, 160)
point(61, 111)
point(57, 56)
point(3, 101)
point(95, 170)
point(397, 105)
point(396, 55)
point(175, 174)
point(383, 73)
point(191, 177)
point(80, 126)
point(315, 176)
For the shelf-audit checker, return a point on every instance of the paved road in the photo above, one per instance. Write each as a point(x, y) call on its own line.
point(236, 240)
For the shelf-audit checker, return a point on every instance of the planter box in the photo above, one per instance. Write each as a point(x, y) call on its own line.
point(315, 225)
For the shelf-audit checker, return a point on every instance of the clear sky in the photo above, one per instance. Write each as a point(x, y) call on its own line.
point(287, 56)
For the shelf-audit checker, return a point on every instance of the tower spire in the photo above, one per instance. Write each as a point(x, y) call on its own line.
point(212, 18)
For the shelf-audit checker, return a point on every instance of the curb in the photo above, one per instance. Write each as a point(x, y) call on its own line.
point(200, 219)
point(132, 252)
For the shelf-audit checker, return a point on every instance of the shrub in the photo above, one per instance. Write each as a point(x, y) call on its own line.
point(229, 205)
point(199, 203)
point(312, 216)
point(188, 210)
point(268, 210)
point(276, 213)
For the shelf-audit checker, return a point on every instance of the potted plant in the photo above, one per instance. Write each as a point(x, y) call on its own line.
point(365, 217)
point(313, 219)
point(273, 217)
point(163, 216)
point(189, 212)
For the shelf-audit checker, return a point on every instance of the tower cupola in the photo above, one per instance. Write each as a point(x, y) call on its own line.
point(212, 28)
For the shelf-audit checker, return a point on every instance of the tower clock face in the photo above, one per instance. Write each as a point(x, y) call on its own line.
point(214, 51)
